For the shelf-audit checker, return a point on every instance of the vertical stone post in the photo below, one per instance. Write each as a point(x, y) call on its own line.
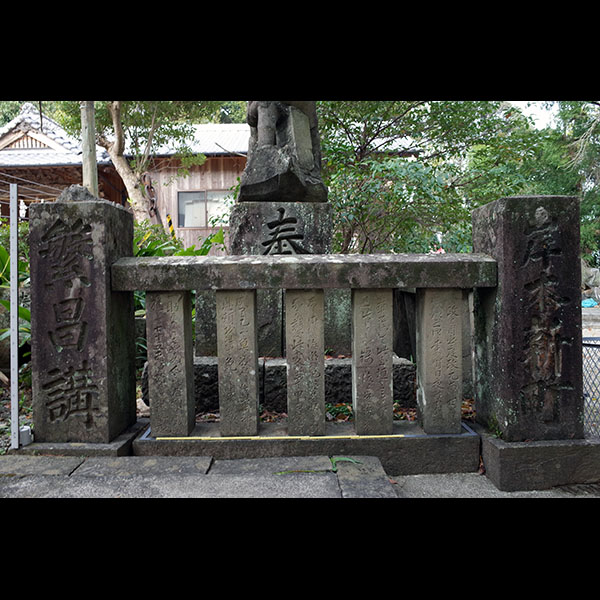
point(527, 334)
point(439, 335)
point(170, 363)
point(238, 362)
point(304, 334)
point(83, 339)
point(372, 375)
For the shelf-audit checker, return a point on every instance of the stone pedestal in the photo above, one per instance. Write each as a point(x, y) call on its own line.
point(83, 338)
point(280, 228)
point(527, 331)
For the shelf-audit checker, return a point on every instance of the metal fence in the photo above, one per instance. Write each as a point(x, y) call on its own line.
point(591, 387)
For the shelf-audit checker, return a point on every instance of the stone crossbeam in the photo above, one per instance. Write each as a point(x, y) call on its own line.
point(304, 272)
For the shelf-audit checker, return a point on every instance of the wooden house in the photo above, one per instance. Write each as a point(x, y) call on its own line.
point(37, 154)
point(199, 203)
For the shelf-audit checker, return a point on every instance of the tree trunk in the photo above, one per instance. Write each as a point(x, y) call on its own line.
point(139, 204)
point(115, 149)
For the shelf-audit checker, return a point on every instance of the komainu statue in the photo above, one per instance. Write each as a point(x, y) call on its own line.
point(284, 153)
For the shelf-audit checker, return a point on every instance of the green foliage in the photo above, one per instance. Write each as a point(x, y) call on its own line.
point(230, 112)
point(460, 155)
point(579, 124)
point(9, 109)
point(337, 459)
point(161, 122)
point(397, 171)
point(24, 313)
point(23, 238)
point(152, 240)
point(385, 204)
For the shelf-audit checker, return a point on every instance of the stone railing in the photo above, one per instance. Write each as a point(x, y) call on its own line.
point(168, 282)
point(526, 298)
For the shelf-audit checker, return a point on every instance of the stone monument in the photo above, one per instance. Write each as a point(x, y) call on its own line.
point(284, 154)
point(83, 341)
point(528, 329)
point(282, 208)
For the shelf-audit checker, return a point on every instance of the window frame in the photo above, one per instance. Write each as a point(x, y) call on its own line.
point(205, 193)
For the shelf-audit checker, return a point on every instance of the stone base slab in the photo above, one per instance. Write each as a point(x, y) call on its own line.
point(539, 465)
point(120, 446)
point(408, 451)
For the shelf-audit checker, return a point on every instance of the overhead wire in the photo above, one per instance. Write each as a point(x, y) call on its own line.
point(56, 189)
point(44, 192)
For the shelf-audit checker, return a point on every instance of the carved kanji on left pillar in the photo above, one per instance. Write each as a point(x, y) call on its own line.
point(83, 340)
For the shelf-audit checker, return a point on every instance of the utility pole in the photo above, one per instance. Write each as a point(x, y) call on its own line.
point(88, 134)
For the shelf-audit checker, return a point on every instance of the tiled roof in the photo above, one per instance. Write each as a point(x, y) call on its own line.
point(215, 139)
point(29, 120)
point(210, 139)
point(41, 157)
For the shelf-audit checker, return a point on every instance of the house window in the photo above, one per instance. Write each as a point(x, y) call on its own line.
point(200, 209)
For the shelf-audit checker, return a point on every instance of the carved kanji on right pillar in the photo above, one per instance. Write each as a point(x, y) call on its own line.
point(528, 329)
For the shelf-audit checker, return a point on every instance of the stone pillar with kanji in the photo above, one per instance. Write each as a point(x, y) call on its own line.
point(83, 337)
point(527, 335)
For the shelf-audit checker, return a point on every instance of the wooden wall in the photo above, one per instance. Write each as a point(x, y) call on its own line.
point(31, 182)
point(217, 173)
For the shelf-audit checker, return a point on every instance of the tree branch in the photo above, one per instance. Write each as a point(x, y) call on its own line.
point(144, 161)
point(114, 108)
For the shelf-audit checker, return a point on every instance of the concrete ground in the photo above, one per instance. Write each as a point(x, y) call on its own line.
point(313, 477)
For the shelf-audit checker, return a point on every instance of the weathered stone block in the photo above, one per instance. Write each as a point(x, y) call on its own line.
point(273, 383)
point(170, 363)
point(206, 326)
point(83, 338)
point(337, 376)
point(439, 359)
point(206, 383)
point(528, 330)
point(338, 326)
point(270, 337)
point(372, 340)
point(338, 382)
point(268, 228)
point(541, 464)
point(305, 364)
point(405, 383)
point(306, 271)
point(404, 323)
point(238, 362)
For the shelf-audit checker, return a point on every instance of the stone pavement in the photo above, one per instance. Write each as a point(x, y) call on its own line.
point(23, 476)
